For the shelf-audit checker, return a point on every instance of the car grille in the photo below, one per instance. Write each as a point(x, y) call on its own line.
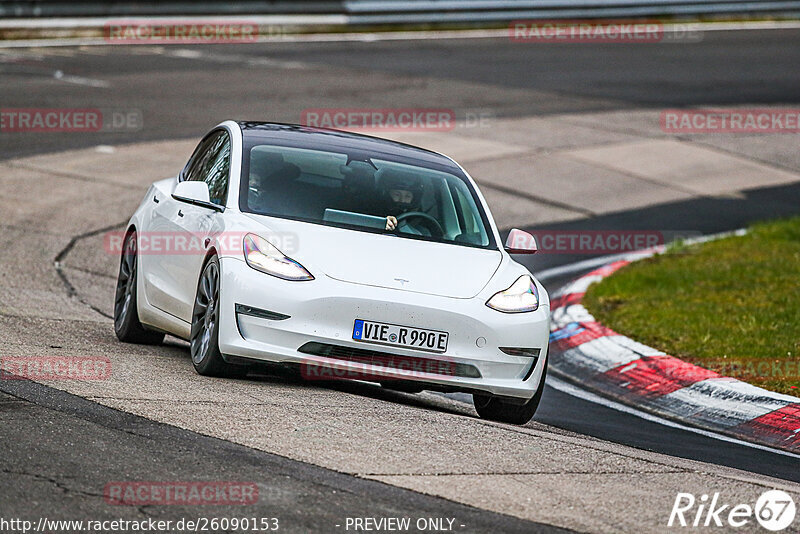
point(416, 364)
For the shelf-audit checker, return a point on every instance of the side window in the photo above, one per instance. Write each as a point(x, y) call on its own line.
point(473, 230)
point(465, 208)
point(219, 170)
point(200, 152)
point(211, 164)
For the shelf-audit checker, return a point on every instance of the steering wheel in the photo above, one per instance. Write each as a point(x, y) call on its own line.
point(434, 225)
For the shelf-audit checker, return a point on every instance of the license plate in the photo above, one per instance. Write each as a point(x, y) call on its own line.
point(400, 336)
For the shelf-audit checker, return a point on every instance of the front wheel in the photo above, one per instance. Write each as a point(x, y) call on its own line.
point(498, 409)
point(206, 357)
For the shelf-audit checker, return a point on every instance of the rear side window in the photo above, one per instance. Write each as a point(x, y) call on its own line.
point(211, 163)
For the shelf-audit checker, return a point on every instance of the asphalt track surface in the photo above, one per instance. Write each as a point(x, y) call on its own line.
point(180, 97)
point(304, 498)
point(181, 92)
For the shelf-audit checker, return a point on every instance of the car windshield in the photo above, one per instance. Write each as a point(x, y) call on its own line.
point(369, 194)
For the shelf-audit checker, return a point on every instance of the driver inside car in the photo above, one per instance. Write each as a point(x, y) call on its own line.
point(403, 196)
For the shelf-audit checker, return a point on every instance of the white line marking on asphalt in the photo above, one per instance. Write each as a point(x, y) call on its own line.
point(11, 56)
point(185, 53)
point(79, 80)
point(575, 391)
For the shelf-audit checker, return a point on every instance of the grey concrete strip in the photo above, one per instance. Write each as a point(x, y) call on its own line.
point(588, 188)
point(114, 165)
point(685, 166)
point(777, 150)
point(512, 207)
point(547, 133)
point(463, 148)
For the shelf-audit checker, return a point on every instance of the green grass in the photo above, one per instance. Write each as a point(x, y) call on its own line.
point(731, 305)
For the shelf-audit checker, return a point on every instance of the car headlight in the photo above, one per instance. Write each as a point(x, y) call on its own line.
point(522, 296)
point(263, 256)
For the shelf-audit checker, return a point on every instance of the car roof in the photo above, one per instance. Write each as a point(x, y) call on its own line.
point(325, 138)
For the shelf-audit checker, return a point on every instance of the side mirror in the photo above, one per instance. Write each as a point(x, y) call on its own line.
point(519, 242)
point(195, 193)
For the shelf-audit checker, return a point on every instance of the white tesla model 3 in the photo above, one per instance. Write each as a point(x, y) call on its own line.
point(345, 255)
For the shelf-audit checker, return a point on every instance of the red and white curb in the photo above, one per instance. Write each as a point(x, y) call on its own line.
point(600, 360)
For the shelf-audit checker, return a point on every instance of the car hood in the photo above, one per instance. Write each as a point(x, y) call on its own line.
point(384, 260)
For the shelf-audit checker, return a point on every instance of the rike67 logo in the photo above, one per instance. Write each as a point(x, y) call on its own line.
point(774, 510)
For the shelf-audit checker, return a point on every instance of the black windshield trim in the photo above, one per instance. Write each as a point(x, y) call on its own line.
point(368, 230)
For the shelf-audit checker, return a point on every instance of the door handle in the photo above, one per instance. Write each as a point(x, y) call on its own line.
point(180, 213)
point(155, 199)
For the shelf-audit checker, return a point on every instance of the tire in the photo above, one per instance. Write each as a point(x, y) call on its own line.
point(496, 409)
point(204, 338)
point(126, 313)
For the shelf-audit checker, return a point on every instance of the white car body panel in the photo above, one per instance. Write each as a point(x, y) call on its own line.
point(385, 260)
point(358, 275)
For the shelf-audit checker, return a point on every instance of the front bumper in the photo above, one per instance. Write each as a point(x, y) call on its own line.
point(322, 311)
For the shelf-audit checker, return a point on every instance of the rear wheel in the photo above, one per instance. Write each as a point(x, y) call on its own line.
point(126, 313)
point(206, 357)
point(506, 411)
